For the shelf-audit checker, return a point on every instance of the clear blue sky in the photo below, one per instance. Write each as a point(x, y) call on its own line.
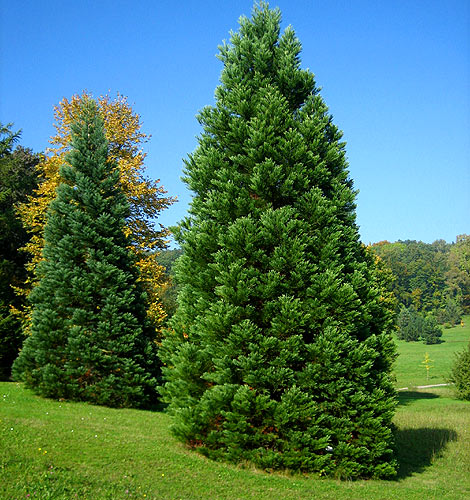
point(395, 74)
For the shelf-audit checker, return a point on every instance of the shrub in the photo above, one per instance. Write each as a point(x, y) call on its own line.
point(460, 374)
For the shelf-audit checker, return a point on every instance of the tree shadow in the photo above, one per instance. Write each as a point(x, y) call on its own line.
point(417, 448)
point(407, 397)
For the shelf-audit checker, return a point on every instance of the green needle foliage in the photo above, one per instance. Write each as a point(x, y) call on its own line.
point(280, 352)
point(460, 374)
point(89, 337)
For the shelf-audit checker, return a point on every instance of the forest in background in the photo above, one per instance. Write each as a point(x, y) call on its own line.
point(429, 276)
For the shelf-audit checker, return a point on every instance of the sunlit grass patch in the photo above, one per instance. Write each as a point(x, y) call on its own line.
point(409, 370)
point(122, 454)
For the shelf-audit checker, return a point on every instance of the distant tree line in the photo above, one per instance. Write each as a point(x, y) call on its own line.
point(431, 284)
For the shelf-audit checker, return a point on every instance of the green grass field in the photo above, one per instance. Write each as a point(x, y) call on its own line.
point(409, 370)
point(61, 451)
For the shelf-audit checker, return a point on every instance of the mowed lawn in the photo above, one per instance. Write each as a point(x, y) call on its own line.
point(59, 450)
point(409, 369)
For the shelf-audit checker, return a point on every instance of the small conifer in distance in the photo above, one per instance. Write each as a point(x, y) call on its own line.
point(90, 339)
point(460, 374)
point(281, 350)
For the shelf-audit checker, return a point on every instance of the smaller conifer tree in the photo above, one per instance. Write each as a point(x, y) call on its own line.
point(460, 374)
point(413, 326)
point(431, 332)
point(90, 339)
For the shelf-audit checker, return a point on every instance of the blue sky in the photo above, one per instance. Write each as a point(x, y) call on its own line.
point(395, 74)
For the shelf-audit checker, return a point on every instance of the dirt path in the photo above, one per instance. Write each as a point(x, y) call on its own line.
point(421, 387)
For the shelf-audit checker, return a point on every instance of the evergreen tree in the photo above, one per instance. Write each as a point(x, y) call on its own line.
point(452, 312)
point(410, 324)
point(460, 374)
point(431, 332)
point(413, 326)
point(90, 339)
point(404, 323)
point(281, 351)
point(18, 178)
point(145, 196)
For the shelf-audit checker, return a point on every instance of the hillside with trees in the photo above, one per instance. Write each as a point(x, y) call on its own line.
point(430, 277)
point(431, 284)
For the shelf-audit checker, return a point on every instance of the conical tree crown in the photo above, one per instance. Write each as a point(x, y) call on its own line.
point(281, 350)
point(89, 335)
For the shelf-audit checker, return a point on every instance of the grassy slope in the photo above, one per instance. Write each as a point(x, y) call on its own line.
point(60, 450)
point(410, 371)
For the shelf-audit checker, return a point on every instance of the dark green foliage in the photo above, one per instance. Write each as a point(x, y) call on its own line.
point(8, 139)
point(409, 324)
point(90, 338)
point(413, 326)
point(18, 178)
point(460, 374)
point(431, 332)
point(280, 352)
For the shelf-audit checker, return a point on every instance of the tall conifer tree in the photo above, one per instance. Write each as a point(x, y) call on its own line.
point(281, 351)
point(90, 339)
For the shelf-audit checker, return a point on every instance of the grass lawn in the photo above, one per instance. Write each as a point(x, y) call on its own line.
point(61, 451)
point(409, 370)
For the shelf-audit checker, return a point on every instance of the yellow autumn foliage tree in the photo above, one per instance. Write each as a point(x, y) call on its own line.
point(146, 197)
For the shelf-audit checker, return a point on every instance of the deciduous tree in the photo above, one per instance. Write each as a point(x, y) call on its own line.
point(458, 276)
point(420, 272)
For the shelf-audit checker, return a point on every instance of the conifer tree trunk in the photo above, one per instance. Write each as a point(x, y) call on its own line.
point(90, 339)
point(281, 351)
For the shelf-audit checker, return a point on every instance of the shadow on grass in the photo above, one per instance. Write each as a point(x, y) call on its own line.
point(407, 397)
point(416, 448)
